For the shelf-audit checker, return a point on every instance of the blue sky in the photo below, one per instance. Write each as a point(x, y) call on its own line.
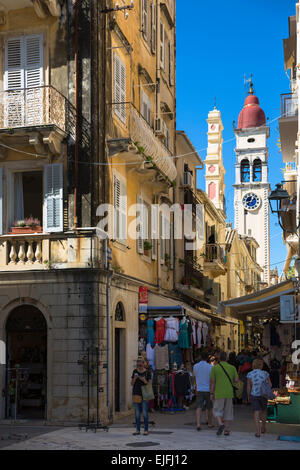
point(217, 43)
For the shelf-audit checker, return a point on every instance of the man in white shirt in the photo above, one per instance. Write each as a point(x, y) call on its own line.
point(202, 371)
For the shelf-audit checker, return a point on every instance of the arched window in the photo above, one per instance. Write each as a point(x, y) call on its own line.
point(257, 170)
point(245, 171)
point(120, 313)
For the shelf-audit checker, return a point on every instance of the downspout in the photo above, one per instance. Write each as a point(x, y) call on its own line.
point(108, 343)
point(76, 117)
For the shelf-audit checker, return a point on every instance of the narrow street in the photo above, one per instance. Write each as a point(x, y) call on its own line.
point(170, 432)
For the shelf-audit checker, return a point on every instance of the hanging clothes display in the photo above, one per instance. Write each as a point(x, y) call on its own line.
point(182, 383)
point(204, 333)
point(172, 328)
point(150, 332)
point(161, 382)
point(194, 332)
point(199, 334)
point(150, 355)
point(175, 355)
point(160, 330)
point(183, 339)
point(161, 357)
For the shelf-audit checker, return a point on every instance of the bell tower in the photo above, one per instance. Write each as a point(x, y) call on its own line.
point(251, 188)
point(215, 171)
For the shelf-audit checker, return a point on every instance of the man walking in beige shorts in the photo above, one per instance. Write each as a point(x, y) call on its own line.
point(222, 379)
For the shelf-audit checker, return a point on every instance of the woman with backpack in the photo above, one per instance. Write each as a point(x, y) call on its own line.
point(258, 381)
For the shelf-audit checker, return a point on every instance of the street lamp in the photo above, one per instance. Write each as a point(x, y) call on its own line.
point(276, 198)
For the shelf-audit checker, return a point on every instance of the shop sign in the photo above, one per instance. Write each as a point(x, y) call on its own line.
point(143, 295)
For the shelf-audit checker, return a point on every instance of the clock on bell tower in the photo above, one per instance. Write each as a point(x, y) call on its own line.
point(251, 188)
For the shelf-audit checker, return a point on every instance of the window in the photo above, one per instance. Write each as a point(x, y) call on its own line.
point(154, 230)
point(120, 312)
point(146, 107)
point(144, 228)
point(120, 209)
point(257, 170)
point(162, 45)
point(24, 76)
point(145, 26)
point(28, 192)
point(171, 64)
point(119, 88)
point(153, 28)
point(245, 171)
point(53, 198)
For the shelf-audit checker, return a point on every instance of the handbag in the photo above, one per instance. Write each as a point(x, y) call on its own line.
point(233, 386)
point(137, 399)
point(266, 390)
point(147, 392)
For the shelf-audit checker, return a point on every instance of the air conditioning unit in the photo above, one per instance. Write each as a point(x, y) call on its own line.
point(187, 179)
point(160, 128)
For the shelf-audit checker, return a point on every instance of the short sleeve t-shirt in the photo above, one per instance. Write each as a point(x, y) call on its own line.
point(223, 387)
point(257, 377)
point(202, 372)
point(137, 388)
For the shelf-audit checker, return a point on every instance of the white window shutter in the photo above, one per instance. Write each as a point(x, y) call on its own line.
point(200, 222)
point(120, 210)
point(53, 198)
point(34, 61)
point(162, 45)
point(171, 64)
point(153, 28)
point(123, 213)
point(162, 239)
point(145, 18)
point(119, 88)
point(1, 201)
point(139, 229)
point(117, 203)
point(172, 245)
point(14, 83)
point(154, 230)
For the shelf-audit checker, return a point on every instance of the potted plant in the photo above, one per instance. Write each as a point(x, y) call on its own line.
point(147, 248)
point(28, 225)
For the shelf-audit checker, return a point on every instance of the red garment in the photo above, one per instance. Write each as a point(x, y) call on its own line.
point(160, 331)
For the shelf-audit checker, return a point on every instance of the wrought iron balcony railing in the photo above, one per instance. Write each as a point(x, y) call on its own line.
point(32, 107)
point(214, 252)
point(289, 105)
point(127, 123)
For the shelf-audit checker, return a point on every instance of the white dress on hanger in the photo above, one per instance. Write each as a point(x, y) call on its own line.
point(172, 329)
point(204, 333)
point(199, 334)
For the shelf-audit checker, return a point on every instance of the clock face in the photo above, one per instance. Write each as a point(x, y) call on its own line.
point(251, 201)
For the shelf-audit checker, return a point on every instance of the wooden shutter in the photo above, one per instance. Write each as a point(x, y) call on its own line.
point(200, 222)
point(53, 198)
point(120, 210)
point(153, 28)
point(146, 107)
point(14, 81)
point(171, 64)
point(34, 93)
point(154, 230)
point(119, 88)
point(145, 7)
point(172, 245)
point(162, 239)
point(1, 201)
point(139, 240)
point(162, 45)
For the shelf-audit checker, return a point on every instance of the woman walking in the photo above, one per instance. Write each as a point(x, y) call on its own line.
point(255, 379)
point(141, 376)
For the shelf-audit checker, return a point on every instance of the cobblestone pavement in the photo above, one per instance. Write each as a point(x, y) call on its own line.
point(172, 432)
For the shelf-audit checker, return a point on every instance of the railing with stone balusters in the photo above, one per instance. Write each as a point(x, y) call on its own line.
point(25, 251)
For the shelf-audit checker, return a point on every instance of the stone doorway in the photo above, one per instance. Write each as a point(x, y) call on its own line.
point(26, 364)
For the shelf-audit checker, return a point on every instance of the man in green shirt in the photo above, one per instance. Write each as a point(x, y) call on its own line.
point(222, 379)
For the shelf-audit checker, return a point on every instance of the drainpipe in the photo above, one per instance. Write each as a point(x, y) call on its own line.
point(76, 116)
point(108, 343)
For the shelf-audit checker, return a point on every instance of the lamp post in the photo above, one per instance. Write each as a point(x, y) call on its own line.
point(279, 201)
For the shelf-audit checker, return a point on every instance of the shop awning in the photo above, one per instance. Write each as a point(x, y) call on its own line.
point(159, 304)
point(262, 304)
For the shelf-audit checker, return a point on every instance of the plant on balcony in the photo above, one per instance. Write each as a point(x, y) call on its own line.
point(28, 225)
point(147, 247)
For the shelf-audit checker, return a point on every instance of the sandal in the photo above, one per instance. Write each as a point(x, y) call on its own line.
point(220, 430)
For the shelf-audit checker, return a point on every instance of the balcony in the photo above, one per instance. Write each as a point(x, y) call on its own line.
point(131, 136)
point(47, 252)
point(214, 260)
point(288, 126)
point(39, 116)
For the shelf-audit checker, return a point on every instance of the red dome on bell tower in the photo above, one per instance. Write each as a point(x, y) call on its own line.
point(251, 115)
